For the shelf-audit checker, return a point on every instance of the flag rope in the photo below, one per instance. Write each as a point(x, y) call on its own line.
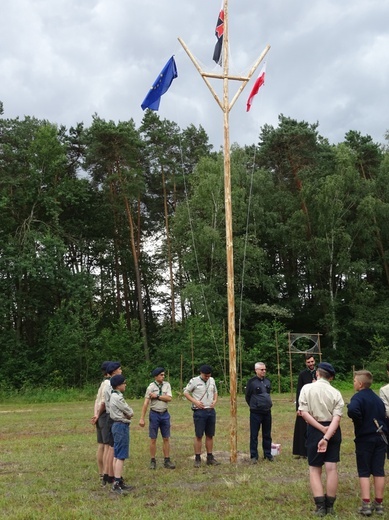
point(197, 261)
point(244, 262)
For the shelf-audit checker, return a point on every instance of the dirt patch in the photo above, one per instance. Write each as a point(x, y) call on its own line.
point(15, 411)
point(225, 456)
point(8, 467)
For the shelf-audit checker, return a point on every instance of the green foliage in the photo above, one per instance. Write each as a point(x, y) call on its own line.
point(118, 343)
point(377, 360)
point(34, 393)
point(103, 228)
point(271, 340)
point(68, 345)
point(189, 346)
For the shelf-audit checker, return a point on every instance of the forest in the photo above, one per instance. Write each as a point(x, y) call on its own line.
point(113, 247)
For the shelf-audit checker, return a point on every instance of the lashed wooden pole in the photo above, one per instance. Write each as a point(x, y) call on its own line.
point(229, 245)
point(226, 107)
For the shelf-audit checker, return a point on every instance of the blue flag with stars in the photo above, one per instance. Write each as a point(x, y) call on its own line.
point(160, 86)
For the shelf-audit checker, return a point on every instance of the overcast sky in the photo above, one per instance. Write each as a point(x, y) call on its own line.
point(64, 60)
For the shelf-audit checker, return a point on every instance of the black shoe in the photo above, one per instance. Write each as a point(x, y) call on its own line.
point(270, 458)
point(125, 487)
point(330, 505)
point(169, 464)
point(197, 463)
point(253, 461)
point(117, 489)
point(321, 509)
point(153, 465)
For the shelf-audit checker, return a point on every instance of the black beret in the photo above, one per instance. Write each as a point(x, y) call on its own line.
point(327, 367)
point(157, 371)
point(206, 369)
point(117, 380)
point(104, 366)
point(112, 366)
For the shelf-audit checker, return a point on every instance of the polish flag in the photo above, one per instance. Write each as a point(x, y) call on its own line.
point(257, 85)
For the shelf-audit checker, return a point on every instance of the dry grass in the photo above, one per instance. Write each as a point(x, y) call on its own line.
point(48, 469)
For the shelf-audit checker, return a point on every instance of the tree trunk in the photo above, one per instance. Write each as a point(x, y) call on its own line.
point(169, 250)
point(138, 279)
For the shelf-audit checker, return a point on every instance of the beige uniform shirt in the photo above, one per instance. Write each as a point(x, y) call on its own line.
point(107, 395)
point(321, 400)
point(201, 390)
point(100, 395)
point(384, 394)
point(119, 409)
point(165, 389)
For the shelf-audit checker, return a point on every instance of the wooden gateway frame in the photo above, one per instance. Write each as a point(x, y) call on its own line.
point(315, 350)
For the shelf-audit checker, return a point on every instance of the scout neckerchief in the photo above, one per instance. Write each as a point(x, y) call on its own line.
point(206, 388)
point(159, 387)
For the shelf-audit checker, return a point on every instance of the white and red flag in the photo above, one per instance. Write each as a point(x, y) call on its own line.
point(257, 85)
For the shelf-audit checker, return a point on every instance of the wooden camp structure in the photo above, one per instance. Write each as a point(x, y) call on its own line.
point(226, 105)
point(315, 350)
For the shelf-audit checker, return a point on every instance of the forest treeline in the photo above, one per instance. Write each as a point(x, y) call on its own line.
point(112, 246)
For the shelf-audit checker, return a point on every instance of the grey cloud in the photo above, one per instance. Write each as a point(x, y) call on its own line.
point(64, 60)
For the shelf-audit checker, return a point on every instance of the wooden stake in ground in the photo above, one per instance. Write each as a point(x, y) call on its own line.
point(226, 106)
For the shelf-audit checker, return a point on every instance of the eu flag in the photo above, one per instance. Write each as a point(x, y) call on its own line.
point(160, 86)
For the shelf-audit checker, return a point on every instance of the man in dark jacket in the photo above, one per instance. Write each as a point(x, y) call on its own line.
point(258, 398)
point(307, 376)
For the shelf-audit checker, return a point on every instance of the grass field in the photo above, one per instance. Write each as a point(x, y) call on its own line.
point(48, 468)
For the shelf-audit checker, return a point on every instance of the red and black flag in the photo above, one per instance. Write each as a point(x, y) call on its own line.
point(217, 53)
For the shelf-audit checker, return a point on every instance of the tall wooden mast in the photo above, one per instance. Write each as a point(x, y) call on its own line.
point(226, 107)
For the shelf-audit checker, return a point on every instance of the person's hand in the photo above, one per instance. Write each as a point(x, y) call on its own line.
point(199, 404)
point(154, 395)
point(299, 413)
point(322, 446)
point(94, 419)
point(141, 422)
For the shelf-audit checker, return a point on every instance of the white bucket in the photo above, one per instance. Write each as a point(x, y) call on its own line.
point(275, 449)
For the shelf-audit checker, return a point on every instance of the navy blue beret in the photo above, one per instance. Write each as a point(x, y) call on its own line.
point(117, 380)
point(104, 366)
point(112, 366)
point(157, 371)
point(327, 367)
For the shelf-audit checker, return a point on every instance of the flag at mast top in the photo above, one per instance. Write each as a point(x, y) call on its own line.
point(219, 31)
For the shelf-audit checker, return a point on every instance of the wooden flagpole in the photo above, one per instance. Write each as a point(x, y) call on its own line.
point(226, 106)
